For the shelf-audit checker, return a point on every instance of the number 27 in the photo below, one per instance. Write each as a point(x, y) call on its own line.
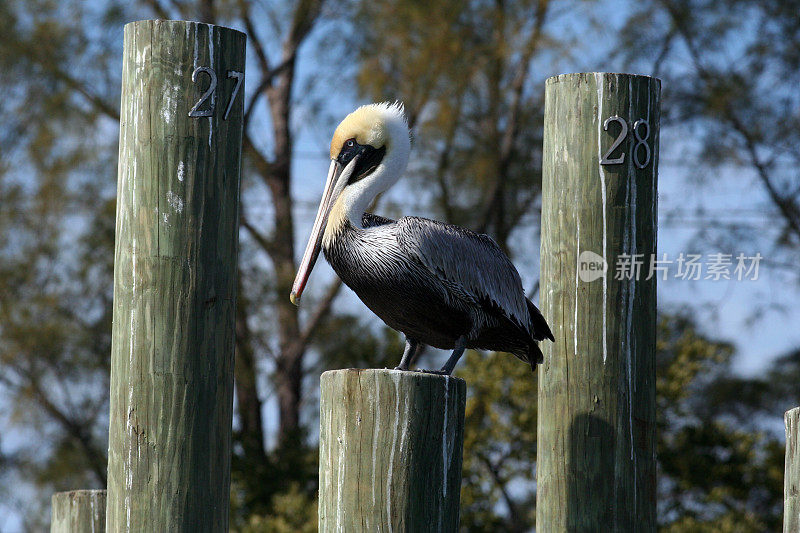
point(196, 111)
point(641, 142)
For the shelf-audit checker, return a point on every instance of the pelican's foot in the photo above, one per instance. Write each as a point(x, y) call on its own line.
point(442, 372)
point(408, 353)
point(399, 367)
point(458, 351)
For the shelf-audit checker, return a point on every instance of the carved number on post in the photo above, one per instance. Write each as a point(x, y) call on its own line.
point(621, 137)
point(641, 142)
point(239, 79)
point(196, 111)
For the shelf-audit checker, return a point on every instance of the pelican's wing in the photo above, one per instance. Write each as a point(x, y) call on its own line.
point(370, 220)
point(470, 264)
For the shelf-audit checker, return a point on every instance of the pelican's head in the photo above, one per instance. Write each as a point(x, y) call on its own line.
point(369, 152)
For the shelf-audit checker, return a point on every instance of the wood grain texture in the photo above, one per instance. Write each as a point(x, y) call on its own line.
point(174, 281)
point(596, 468)
point(791, 480)
point(78, 511)
point(390, 451)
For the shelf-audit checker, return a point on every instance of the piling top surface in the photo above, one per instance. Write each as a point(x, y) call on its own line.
point(186, 22)
point(81, 492)
point(395, 374)
point(78, 511)
point(583, 75)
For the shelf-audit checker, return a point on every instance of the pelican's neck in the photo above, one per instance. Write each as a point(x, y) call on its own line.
point(337, 219)
point(355, 198)
point(347, 211)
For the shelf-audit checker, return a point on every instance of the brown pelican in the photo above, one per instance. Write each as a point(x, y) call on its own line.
point(439, 284)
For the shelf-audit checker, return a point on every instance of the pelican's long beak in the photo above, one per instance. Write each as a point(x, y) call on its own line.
point(315, 240)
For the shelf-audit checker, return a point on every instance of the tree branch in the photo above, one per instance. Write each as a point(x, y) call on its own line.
point(513, 512)
point(665, 48)
point(494, 199)
point(265, 243)
point(320, 312)
point(305, 14)
point(207, 12)
point(29, 51)
point(158, 9)
point(266, 82)
point(261, 55)
point(245, 372)
point(443, 163)
point(786, 205)
point(99, 104)
point(75, 429)
point(263, 166)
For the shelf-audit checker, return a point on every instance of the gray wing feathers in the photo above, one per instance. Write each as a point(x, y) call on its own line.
point(470, 264)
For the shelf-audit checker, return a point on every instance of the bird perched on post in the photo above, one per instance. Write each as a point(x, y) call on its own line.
point(439, 284)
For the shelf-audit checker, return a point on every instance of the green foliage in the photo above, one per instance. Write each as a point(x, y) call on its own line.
point(348, 341)
point(57, 176)
point(295, 512)
point(499, 443)
point(718, 471)
point(265, 488)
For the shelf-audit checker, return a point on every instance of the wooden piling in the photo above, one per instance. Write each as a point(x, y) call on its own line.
point(78, 511)
point(390, 451)
point(175, 277)
point(596, 468)
point(791, 480)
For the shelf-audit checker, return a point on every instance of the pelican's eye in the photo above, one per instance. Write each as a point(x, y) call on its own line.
point(349, 150)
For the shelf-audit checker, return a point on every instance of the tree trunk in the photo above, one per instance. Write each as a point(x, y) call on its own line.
point(276, 174)
point(289, 368)
point(245, 372)
point(289, 376)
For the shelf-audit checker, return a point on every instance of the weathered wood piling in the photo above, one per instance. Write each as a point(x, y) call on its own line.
point(791, 480)
point(78, 511)
point(390, 451)
point(596, 468)
point(175, 277)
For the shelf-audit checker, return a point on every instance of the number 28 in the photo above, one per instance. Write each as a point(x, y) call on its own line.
point(639, 147)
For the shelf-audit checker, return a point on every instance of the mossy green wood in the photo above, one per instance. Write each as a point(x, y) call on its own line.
point(174, 280)
point(791, 482)
point(78, 511)
point(390, 451)
point(596, 468)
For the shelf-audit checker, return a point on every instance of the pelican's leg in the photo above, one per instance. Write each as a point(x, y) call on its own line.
point(408, 353)
point(458, 351)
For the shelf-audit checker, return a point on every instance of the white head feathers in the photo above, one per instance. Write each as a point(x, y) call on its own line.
point(381, 125)
point(375, 125)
